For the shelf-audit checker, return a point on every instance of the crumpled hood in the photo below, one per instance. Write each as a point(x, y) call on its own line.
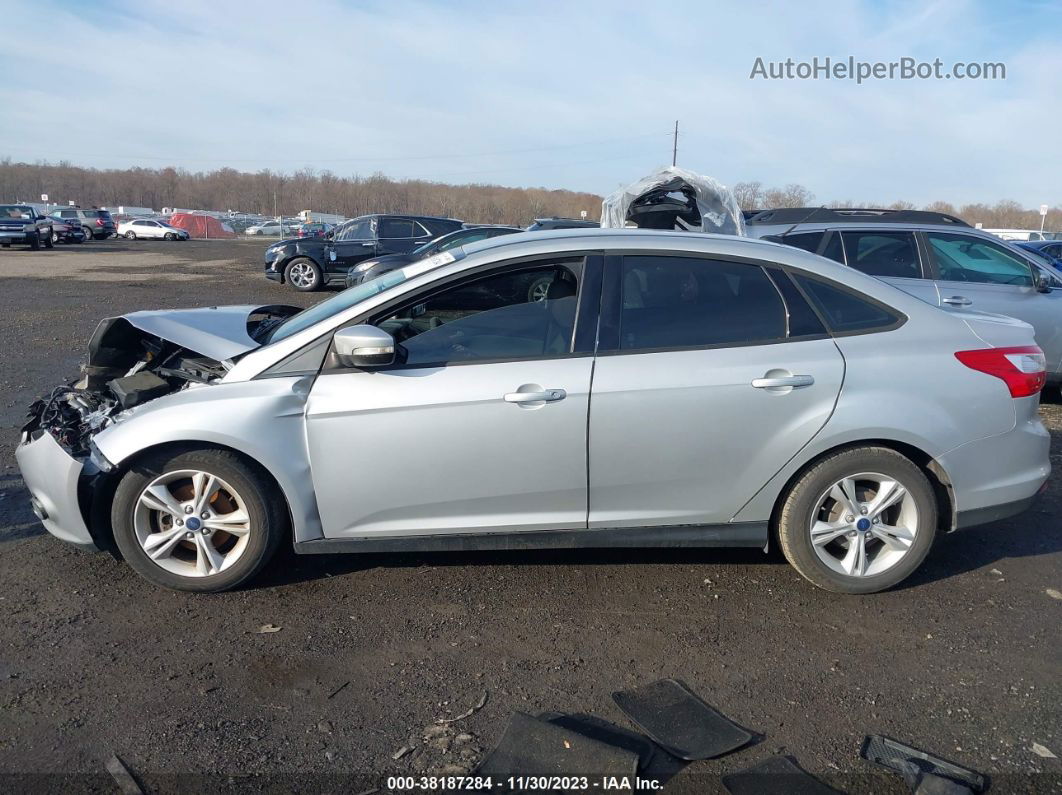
point(219, 332)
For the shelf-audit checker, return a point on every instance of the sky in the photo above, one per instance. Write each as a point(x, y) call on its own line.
point(576, 95)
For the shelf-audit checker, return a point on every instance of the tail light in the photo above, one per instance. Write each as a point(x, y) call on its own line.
point(1023, 369)
point(99, 222)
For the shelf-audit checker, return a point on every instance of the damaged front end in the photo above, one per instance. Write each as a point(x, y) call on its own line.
point(133, 359)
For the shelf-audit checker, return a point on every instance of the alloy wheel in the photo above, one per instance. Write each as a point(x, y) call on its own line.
point(864, 524)
point(302, 275)
point(191, 523)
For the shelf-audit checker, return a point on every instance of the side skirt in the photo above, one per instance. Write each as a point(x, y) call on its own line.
point(742, 534)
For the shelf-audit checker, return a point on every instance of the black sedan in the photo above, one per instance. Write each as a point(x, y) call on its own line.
point(377, 266)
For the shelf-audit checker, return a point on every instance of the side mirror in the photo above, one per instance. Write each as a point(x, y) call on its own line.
point(1041, 283)
point(364, 346)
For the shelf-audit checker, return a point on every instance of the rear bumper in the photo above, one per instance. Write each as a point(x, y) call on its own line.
point(1000, 476)
point(52, 476)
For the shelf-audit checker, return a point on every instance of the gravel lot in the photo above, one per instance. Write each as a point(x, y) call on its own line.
point(963, 660)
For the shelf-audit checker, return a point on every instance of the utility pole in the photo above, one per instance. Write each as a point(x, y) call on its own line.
point(674, 146)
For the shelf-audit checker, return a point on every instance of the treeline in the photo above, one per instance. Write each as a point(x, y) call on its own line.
point(268, 193)
point(1004, 214)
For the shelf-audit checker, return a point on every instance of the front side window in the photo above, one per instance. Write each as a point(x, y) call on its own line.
point(961, 258)
point(883, 253)
point(516, 314)
point(355, 230)
point(396, 227)
point(687, 302)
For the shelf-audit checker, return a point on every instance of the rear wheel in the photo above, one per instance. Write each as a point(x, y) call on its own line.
point(130, 235)
point(201, 520)
point(88, 233)
point(303, 274)
point(859, 521)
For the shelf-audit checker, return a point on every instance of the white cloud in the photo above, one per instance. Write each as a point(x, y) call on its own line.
point(433, 90)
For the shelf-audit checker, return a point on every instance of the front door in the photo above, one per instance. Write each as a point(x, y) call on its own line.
point(482, 427)
point(985, 276)
point(713, 383)
point(353, 243)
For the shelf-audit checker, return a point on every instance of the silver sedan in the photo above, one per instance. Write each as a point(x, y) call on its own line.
point(667, 389)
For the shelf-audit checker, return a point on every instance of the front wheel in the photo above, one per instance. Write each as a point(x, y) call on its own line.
point(55, 236)
point(859, 521)
point(303, 274)
point(202, 520)
point(170, 236)
point(48, 239)
point(35, 242)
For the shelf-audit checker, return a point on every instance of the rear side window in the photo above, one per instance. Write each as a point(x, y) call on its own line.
point(847, 311)
point(809, 241)
point(892, 254)
point(684, 302)
point(801, 318)
point(395, 227)
point(834, 250)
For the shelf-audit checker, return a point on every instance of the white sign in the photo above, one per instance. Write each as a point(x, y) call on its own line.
point(71, 202)
point(582, 213)
point(1043, 209)
point(44, 197)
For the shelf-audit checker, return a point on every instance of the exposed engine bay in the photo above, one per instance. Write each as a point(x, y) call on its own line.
point(129, 366)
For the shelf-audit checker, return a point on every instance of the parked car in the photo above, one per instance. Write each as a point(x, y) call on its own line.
point(673, 389)
point(151, 229)
point(97, 224)
point(934, 256)
point(67, 231)
point(315, 229)
point(20, 223)
point(274, 228)
point(556, 222)
point(1050, 249)
point(378, 266)
point(309, 263)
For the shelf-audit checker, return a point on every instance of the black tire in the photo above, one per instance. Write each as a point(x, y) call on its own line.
point(35, 242)
point(538, 289)
point(55, 236)
point(170, 236)
point(314, 269)
point(48, 240)
point(268, 516)
point(88, 233)
point(801, 501)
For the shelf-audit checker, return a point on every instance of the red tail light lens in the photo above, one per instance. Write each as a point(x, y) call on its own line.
point(1023, 369)
point(99, 222)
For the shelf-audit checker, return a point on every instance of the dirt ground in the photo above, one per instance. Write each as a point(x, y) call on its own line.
point(963, 660)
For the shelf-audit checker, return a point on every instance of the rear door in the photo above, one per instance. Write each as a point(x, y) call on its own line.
point(979, 274)
point(891, 255)
point(399, 235)
point(711, 375)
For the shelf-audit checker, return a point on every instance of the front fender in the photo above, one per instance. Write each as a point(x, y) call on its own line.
point(262, 419)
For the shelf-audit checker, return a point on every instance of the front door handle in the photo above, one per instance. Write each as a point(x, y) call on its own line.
point(789, 380)
point(956, 300)
point(544, 396)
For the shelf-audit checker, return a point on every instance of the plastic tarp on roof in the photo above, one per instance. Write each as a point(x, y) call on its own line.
point(202, 226)
point(674, 198)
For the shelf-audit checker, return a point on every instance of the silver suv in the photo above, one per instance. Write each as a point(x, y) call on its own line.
point(97, 224)
point(936, 257)
point(671, 389)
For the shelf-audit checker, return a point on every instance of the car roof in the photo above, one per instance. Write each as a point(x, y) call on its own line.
point(863, 215)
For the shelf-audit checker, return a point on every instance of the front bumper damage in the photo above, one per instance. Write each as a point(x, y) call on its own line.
point(52, 477)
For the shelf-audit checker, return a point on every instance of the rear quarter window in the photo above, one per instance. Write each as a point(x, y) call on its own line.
point(846, 311)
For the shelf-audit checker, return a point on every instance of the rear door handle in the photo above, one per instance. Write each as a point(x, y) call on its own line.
point(791, 380)
point(956, 300)
point(545, 396)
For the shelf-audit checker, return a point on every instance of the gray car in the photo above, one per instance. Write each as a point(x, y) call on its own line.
point(936, 257)
point(673, 389)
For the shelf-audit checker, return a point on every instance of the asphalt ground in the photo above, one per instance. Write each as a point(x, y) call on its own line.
point(963, 660)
